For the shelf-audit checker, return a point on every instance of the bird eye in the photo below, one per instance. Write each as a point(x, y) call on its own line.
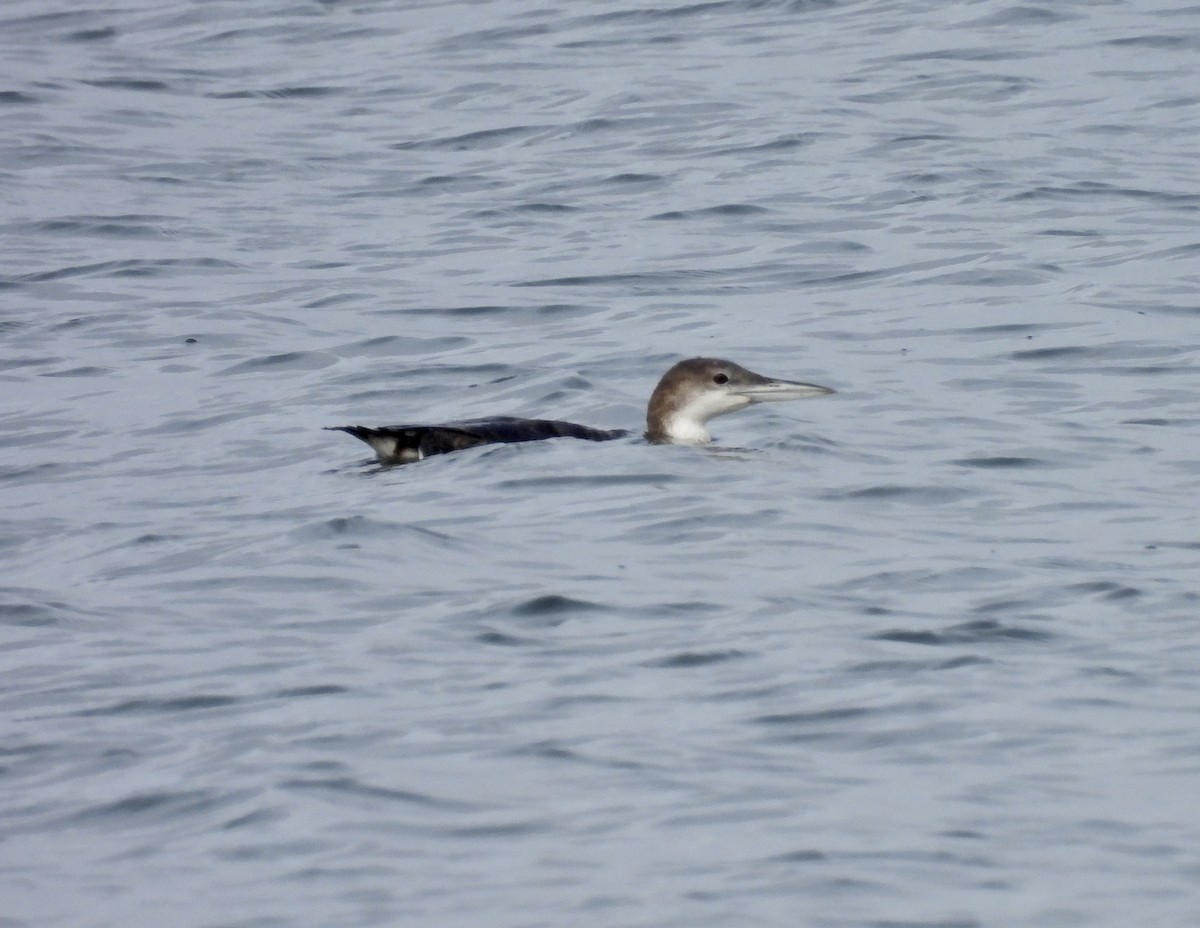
point(721, 378)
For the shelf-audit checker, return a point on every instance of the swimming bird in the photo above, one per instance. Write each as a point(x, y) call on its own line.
point(687, 396)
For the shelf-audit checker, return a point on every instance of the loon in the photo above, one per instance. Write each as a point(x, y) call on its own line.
point(687, 396)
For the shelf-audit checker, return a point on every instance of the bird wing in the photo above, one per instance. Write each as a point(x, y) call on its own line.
point(404, 443)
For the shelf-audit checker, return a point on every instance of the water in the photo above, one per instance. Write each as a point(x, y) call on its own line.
point(923, 653)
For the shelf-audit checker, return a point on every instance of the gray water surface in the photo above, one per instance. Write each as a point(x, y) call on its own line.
point(922, 653)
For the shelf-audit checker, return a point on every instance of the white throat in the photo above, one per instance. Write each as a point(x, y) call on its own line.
point(687, 430)
point(686, 424)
